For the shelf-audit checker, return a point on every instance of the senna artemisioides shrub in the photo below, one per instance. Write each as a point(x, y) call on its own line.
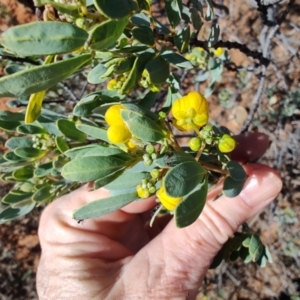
point(109, 139)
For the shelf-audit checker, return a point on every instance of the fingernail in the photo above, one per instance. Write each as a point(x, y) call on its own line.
point(261, 188)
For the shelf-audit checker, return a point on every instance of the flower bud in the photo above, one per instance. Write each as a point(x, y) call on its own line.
point(226, 143)
point(150, 149)
point(195, 143)
point(155, 173)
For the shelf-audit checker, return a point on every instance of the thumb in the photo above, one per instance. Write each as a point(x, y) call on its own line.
point(188, 252)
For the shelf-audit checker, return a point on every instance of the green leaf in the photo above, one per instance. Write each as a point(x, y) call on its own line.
point(107, 179)
point(172, 159)
point(103, 207)
point(144, 35)
point(107, 33)
point(17, 142)
point(209, 15)
point(43, 38)
point(173, 9)
point(9, 116)
point(30, 129)
point(13, 198)
point(95, 75)
point(43, 170)
point(127, 180)
point(40, 78)
point(158, 69)
point(11, 156)
point(236, 171)
point(27, 152)
point(256, 248)
point(12, 213)
point(93, 131)
point(232, 188)
point(142, 127)
point(183, 178)
point(214, 35)
point(148, 101)
point(91, 168)
point(43, 194)
point(24, 173)
point(177, 60)
point(61, 144)
point(182, 38)
point(136, 72)
point(188, 210)
point(9, 126)
point(141, 110)
point(68, 128)
point(87, 104)
point(124, 65)
point(196, 19)
point(115, 9)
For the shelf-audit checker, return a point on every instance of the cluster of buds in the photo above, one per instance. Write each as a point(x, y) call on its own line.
point(146, 188)
point(43, 141)
point(146, 83)
point(116, 84)
point(150, 155)
point(198, 57)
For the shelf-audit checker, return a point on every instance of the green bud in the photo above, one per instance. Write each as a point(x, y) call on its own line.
point(162, 115)
point(152, 190)
point(150, 149)
point(146, 157)
point(153, 156)
point(195, 143)
point(148, 162)
point(155, 173)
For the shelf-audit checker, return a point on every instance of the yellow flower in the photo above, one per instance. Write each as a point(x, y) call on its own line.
point(190, 111)
point(168, 202)
point(219, 51)
point(142, 192)
point(226, 143)
point(113, 115)
point(118, 133)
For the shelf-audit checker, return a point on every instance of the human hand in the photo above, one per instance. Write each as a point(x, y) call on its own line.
point(118, 256)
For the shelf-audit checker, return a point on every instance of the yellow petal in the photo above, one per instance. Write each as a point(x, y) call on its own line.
point(168, 202)
point(118, 133)
point(113, 115)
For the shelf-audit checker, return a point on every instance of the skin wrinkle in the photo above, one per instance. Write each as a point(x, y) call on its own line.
point(217, 224)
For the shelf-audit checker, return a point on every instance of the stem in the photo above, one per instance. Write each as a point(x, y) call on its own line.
point(214, 168)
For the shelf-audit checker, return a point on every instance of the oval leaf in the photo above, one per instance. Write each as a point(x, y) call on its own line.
point(183, 178)
point(236, 171)
point(188, 210)
point(158, 69)
point(107, 33)
point(144, 35)
point(103, 207)
point(40, 78)
point(44, 38)
point(13, 213)
point(68, 128)
point(91, 168)
point(27, 152)
point(115, 9)
point(142, 127)
point(232, 188)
